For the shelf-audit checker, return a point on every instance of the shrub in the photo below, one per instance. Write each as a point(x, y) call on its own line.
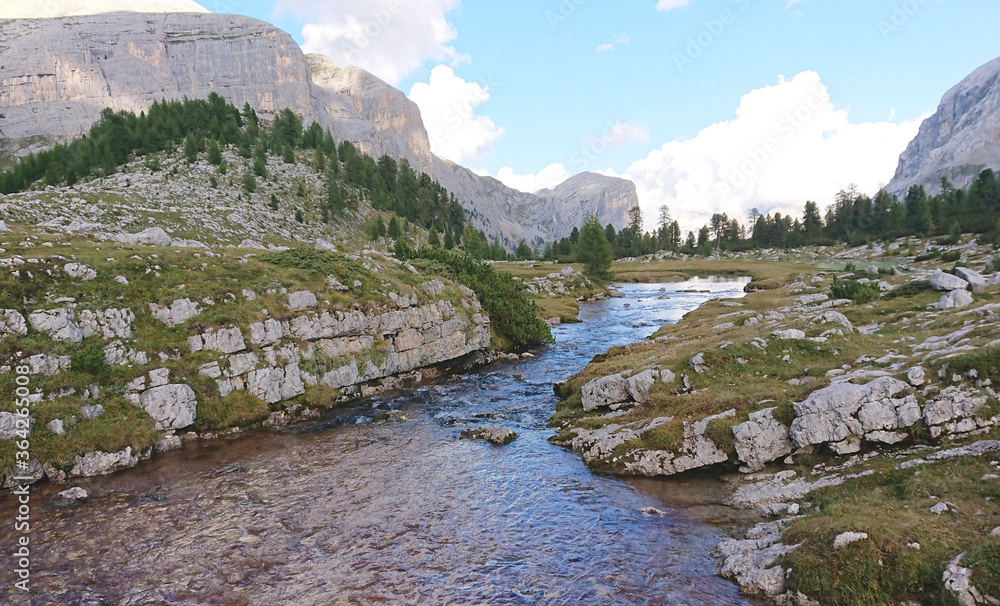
point(238, 409)
point(505, 300)
point(951, 256)
point(910, 289)
point(321, 261)
point(931, 254)
point(89, 360)
point(855, 291)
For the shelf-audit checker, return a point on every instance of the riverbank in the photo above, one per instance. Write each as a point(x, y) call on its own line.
point(132, 345)
point(807, 395)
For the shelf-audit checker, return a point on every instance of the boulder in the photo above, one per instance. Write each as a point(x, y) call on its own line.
point(789, 335)
point(943, 282)
point(154, 236)
point(697, 363)
point(638, 386)
point(171, 406)
point(56, 427)
point(226, 340)
point(275, 384)
point(266, 333)
point(79, 271)
point(916, 376)
point(12, 323)
point(846, 538)
point(11, 423)
point(180, 311)
point(91, 412)
point(761, 440)
point(47, 366)
point(302, 300)
point(976, 282)
point(956, 299)
point(958, 581)
point(604, 392)
point(71, 497)
point(829, 415)
point(57, 323)
point(994, 281)
point(102, 463)
point(835, 317)
point(322, 244)
point(501, 436)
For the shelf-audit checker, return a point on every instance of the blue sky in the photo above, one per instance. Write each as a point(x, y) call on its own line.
point(539, 87)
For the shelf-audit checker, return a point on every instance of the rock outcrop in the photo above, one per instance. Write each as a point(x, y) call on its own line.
point(959, 140)
point(572, 201)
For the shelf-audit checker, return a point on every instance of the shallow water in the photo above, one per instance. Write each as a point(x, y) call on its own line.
point(346, 511)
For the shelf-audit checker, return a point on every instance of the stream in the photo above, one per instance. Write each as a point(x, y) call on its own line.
point(344, 510)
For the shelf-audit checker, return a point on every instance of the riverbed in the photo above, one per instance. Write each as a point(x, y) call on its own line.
point(351, 510)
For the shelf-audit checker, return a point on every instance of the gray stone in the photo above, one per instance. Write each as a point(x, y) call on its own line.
point(829, 414)
point(943, 282)
point(302, 300)
point(266, 333)
point(70, 497)
point(11, 424)
point(171, 406)
point(57, 323)
point(102, 463)
point(79, 271)
point(955, 299)
point(604, 391)
point(697, 363)
point(976, 282)
point(846, 538)
point(761, 440)
point(12, 323)
point(91, 412)
point(47, 366)
point(789, 334)
point(835, 317)
point(638, 386)
point(56, 427)
point(159, 377)
point(180, 311)
point(501, 436)
point(154, 236)
point(958, 581)
point(169, 443)
point(916, 376)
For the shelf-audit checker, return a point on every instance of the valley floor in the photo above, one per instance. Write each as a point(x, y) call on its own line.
point(849, 399)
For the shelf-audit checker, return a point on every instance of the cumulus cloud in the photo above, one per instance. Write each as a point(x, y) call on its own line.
point(448, 106)
point(620, 39)
point(787, 144)
point(669, 5)
point(624, 134)
point(389, 38)
point(547, 178)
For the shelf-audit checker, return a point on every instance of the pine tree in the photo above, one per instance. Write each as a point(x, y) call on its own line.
point(432, 238)
point(593, 248)
point(191, 148)
point(214, 153)
point(394, 231)
point(274, 202)
point(299, 216)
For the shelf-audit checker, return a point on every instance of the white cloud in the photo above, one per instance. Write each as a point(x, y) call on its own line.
point(448, 106)
point(669, 5)
point(787, 144)
point(620, 39)
point(547, 178)
point(623, 134)
point(389, 38)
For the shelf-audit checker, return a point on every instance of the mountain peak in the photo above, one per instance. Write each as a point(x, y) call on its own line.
point(32, 9)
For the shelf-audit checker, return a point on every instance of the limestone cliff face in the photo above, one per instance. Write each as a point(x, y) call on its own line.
point(577, 198)
point(960, 140)
point(58, 74)
point(372, 114)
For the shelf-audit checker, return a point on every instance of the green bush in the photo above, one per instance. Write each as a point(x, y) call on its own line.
point(511, 312)
point(855, 291)
point(321, 261)
point(951, 256)
point(910, 289)
point(89, 360)
point(931, 254)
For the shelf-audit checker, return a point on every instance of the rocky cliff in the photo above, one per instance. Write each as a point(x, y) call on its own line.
point(960, 140)
point(58, 74)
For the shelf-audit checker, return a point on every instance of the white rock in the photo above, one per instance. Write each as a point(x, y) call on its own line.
point(266, 333)
point(955, 299)
point(80, 271)
point(56, 427)
point(57, 323)
point(943, 282)
point(829, 414)
point(322, 244)
point(154, 236)
point(121, 280)
point(638, 386)
point(975, 280)
point(301, 300)
point(70, 497)
point(102, 463)
point(91, 412)
point(916, 376)
point(958, 580)
point(835, 317)
point(847, 538)
point(789, 334)
point(171, 406)
point(697, 363)
point(941, 508)
point(12, 323)
point(761, 440)
point(159, 377)
point(180, 311)
point(604, 391)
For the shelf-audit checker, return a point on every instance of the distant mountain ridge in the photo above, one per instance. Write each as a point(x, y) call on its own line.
point(58, 74)
point(960, 140)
